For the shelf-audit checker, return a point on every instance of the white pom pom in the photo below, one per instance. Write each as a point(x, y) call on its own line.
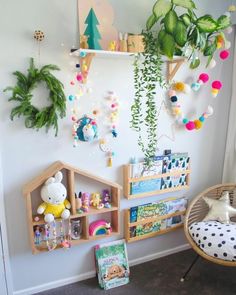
point(227, 44)
point(187, 88)
point(229, 30)
point(227, 14)
point(210, 110)
point(212, 64)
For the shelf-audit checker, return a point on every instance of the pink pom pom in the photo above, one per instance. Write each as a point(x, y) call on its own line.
point(204, 77)
point(224, 54)
point(171, 93)
point(73, 118)
point(79, 77)
point(190, 126)
point(217, 85)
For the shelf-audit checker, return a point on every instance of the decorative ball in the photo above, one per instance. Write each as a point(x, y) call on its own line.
point(198, 124)
point(210, 110)
point(85, 67)
point(77, 65)
point(73, 118)
point(190, 126)
point(95, 112)
point(177, 111)
point(38, 35)
point(171, 93)
point(227, 44)
point(204, 78)
point(219, 45)
point(216, 85)
point(202, 119)
point(71, 97)
point(212, 64)
point(82, 54)
point(185, 121)
point(72, 83)
point(224, 54)
point(187, 88)
point(232, 8)
point(79, 77)
point(174, 98)
point(195, 86)
point(179, 86)
point(227, 13)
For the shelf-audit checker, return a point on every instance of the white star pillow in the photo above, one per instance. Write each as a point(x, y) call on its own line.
point(220, 210)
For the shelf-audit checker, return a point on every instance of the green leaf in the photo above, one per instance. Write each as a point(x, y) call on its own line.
point(210, 49)
point(151, 22)
point(186, 19)
point(206, 24)
point(188, 4)
point(168, 45)
point(223, 22)
point(161, 35)
point(180, 34)
point(161, 8)
point(195, 63)
point(170, 21)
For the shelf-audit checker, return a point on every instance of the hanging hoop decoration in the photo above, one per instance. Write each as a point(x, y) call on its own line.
point(22, 94)
point(181, 87)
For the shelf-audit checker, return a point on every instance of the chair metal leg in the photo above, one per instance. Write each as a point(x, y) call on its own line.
point(189, 269)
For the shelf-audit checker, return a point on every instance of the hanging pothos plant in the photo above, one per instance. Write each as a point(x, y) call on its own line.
point(183, 35)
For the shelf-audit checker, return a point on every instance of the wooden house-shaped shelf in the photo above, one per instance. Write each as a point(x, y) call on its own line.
point(71, 174)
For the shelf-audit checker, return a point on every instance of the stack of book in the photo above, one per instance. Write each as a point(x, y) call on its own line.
point(155, 210)
point(162, 165)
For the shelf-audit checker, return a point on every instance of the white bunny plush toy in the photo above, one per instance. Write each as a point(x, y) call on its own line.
point(55, 204)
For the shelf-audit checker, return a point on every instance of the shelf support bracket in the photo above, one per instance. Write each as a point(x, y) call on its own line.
point(85, 63)
point(172, 68)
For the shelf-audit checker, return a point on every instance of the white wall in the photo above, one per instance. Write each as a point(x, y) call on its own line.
point(26, 152)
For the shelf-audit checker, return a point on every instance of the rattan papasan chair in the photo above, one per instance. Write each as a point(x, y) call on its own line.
point(197, 210)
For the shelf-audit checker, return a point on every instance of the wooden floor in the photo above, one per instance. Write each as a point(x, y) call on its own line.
point(162, 277)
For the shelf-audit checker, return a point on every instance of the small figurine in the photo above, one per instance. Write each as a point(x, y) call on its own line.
point(108, 228)
point(37, 235)
point(123, 42)
point(96, 201)
point(112, 45)
point(85, 202)
point(106, 198)
point(78, 203)
point(84, 42)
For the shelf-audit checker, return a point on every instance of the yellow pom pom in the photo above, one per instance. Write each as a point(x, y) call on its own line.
point(179, 86)
point(219, 45)
point(177, 111)
point(232, 8)
point(198, 124)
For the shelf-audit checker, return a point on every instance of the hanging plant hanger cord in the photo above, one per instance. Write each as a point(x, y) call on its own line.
point(22, 94)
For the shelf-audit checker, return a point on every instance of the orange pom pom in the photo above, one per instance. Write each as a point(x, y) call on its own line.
point(179, 86)
point(198, 124)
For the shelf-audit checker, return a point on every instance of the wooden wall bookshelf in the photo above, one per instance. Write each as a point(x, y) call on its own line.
point(128, 180)
point(34, 186)
point(129, 225)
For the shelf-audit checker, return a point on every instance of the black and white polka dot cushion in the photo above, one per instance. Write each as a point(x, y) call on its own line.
point(215, 239)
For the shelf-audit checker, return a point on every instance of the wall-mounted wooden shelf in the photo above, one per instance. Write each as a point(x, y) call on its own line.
point(32, 196)
point(128, 180)
point(128, 225)
point(172, 65)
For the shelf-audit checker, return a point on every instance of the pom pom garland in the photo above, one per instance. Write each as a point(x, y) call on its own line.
point(196, 124)
point(216, 86)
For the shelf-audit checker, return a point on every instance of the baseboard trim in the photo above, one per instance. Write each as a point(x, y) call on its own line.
point(91, 274)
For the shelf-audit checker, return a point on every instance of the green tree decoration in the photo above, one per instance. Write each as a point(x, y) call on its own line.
point(92, 31)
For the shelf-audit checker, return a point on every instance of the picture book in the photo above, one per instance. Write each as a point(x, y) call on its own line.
point(133, 214)
point(139, 169)
point(151, 210)
point(112, 264)
point(178, 161)
point(176, 205)
point(175, 220)
point(145, 186)
point(150, 227)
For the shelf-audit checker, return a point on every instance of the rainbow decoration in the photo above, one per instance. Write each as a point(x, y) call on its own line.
point(99, 227)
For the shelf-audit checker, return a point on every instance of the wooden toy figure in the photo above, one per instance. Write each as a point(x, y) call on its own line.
point(84, 42)
point(112, 45)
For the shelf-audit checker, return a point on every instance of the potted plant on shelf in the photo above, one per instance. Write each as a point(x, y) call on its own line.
point(169, 33)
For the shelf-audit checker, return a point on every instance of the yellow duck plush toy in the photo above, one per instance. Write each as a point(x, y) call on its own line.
point(55, 204)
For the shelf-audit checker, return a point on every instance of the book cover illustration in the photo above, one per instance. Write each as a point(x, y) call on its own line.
point(133, 214)
point(165, 163)
point(139, 169)
point(145, 186)
point(174, 221)
point(166, 182)
point(178, 161)
point(112, 264)
point(177, 205)
point(151, 210)
point(150, 227)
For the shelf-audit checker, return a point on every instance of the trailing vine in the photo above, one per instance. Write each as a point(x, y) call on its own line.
point(22, 94)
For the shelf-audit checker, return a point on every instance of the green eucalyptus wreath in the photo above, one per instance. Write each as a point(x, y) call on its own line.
point(22, 94)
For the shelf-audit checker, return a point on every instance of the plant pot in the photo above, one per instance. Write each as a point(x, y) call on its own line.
point(135, 43)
